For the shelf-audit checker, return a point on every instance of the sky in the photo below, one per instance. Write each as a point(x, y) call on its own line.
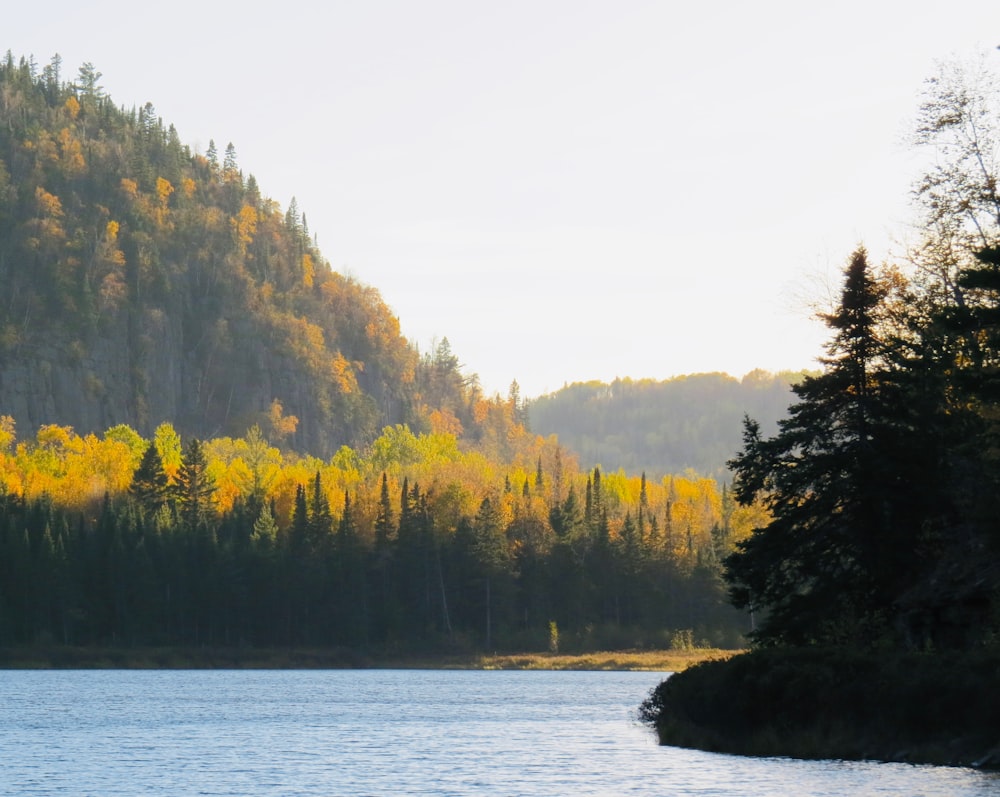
point(566, 190)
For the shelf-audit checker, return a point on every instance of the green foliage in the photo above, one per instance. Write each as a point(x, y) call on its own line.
point(215, 555)
point(853, 494)
point(150, 483)
point(193, 488)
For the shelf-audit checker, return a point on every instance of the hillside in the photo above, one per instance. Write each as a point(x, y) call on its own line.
point(145, 282)
point(662, 427)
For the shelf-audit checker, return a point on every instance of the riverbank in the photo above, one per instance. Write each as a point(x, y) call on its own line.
point(916, 708)
point(66, 657)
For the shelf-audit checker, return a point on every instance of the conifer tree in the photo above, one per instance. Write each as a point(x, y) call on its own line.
point(837, 553)
point(194, 488)
point(149, 482)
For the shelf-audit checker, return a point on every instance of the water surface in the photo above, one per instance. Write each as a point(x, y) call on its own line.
point(380, 732)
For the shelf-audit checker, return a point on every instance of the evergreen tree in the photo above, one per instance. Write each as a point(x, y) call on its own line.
point(265, 529)
point(194, 488)
point(149, 482)
point(840, 548)
point(320, 524)
point(353, 603)
point(492, 558)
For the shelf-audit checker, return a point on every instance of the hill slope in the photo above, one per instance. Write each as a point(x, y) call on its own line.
point(143, 282)
point(662, 427)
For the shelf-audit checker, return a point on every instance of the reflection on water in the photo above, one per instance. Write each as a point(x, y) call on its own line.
point(384, 732)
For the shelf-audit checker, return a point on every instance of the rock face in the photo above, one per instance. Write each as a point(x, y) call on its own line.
point(207, 379)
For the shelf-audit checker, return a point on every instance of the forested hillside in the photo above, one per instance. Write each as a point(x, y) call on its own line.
point(662, 427)
point(208, 437)
point(143, 282)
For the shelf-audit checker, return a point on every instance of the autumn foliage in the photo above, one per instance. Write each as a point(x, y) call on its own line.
point(389, 547)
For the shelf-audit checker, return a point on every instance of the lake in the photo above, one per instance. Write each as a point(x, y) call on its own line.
point(386, 732)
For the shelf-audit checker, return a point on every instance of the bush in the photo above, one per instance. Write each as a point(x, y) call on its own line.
point(834, 704)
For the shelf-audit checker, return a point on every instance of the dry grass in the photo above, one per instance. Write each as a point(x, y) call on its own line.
point(649, 660)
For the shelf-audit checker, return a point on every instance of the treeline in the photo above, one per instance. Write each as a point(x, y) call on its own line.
point(662, 426)
point(416, 543)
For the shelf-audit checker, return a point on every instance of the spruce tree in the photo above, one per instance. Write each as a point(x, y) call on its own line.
point(194, 488)
point(149, 482)
point(842, 543)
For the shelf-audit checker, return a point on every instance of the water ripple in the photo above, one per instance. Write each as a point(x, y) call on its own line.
point(387, 733)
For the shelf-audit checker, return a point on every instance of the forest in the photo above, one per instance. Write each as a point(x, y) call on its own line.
point(145, 282)
point(660, 427)
point(417, 544)
point(209, 437)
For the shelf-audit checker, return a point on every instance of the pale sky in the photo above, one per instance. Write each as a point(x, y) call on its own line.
point(566, 190)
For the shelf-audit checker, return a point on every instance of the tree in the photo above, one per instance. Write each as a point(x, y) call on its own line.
point(959, 119)
point(957, 361)
point(150, 484)
point(320, 523)
point(194, 487)
point(487, 556)
point(265, 530)
point(262, 461)
point(841, 546)
point(168, 445)
point(353, 602)
point(229, 165)
point(88, 85)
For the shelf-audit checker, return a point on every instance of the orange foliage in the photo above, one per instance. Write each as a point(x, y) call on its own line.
point(48, 204)
point(130, 188)
point(163, 190)
point(73, 164)
point(244, 227)
point(343, 374)
point(444, 422)
point(308, 270)
point(7, 432)
point(281, 426)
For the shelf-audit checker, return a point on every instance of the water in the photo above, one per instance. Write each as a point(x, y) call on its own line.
point(377, 732)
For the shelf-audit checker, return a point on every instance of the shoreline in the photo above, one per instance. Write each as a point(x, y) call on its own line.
point(216, 658)
point(916, 708)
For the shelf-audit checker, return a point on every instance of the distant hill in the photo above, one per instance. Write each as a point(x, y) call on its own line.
point(142, 282)
point(662, 427)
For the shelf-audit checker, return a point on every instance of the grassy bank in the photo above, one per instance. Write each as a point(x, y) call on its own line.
point(59, 657)
point(648, 660)
point(919, 708)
